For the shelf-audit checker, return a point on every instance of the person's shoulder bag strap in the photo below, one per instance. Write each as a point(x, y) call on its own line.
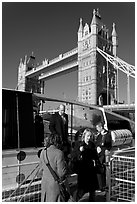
point(55, 176)
point(64, 193)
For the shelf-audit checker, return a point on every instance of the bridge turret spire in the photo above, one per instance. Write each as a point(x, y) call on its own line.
point(114, 34)
point(80, 30)
point(114, 40)
point(25, 60)
point(94, 20)
point(96, 17)
point(20, 63)
point(80, 26)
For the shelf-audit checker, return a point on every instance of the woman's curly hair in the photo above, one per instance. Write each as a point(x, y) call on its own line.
point(54, 139)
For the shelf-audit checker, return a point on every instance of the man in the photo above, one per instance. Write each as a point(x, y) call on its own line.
point(59, 125)
point(103, 142)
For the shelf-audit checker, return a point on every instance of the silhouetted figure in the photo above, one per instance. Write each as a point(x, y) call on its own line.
point(39, 130)
point(103, 142)
point(59, 125)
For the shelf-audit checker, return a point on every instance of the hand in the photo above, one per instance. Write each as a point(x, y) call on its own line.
point(98, 150)
point(69, 156)
point(81, 148)
point(94, 163)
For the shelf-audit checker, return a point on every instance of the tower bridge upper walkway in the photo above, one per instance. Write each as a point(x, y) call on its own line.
point(59, 64)
point(70, 60)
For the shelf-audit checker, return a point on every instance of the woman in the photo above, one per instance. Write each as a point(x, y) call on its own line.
point(87, 177)
point(49, 187)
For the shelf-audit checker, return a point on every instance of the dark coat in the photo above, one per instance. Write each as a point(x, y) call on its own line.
point(39, 131)
point(103, 141)
point(58, 126)
point(87, 177)
point(50, 188)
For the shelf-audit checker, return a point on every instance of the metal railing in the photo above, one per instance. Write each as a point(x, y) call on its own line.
point(120, 179)
point(28, 189)
point(120, 174)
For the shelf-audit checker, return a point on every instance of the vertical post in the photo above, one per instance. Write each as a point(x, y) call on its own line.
point(128, 89)
point(18, 129)
point(108, 175)
point(42, 92)
point(117, 87)
point(107, 85)
point(71, 115)
point(17, 103)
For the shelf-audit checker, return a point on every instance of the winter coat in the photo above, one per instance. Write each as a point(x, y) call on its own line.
point(104, 141)
point(49, 187)
point(86, 160)
point(58, 126)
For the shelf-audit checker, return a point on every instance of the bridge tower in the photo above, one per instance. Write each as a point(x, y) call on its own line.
point(25, 83)
point(96, 77)
point(21, 74)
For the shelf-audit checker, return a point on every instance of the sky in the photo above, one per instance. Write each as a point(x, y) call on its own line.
point(50, 29)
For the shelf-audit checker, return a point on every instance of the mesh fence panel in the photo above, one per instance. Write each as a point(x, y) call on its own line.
point(122, 176)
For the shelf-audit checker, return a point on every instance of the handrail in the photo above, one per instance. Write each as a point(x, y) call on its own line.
point(17, 165)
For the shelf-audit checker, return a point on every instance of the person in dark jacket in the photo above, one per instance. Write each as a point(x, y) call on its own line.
point(102, 142)
point(59, 125)
point(39, 130)
point(87, 158)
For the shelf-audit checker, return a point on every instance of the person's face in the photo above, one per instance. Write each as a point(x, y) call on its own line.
point(99, 127)
point(87, 137)
point(61, 110)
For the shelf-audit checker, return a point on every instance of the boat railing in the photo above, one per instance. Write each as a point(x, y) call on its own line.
point(28, 189)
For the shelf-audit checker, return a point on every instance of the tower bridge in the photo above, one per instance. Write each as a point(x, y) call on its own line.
point(97, 66)
point(96, 62)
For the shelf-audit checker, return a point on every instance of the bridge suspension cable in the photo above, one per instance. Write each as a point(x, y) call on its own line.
point(119, 63)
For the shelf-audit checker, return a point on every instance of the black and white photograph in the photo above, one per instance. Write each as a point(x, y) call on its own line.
point(68, 101)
